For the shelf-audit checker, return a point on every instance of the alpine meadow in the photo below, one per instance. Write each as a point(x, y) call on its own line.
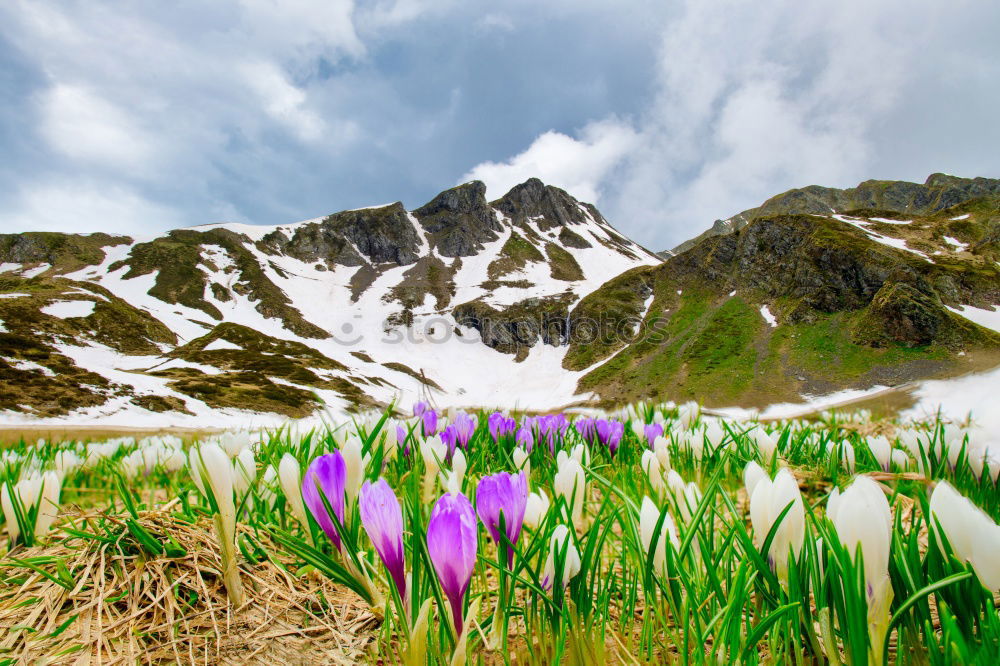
point(552, 414)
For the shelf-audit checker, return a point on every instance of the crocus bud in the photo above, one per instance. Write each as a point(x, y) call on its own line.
point(452, 542)
point(290, 478)
point(326, 478)
point(382, 519)
point(661, 447)
point(649, 515)
point(355, 466)
point(507, 494)
point(213, 474)
point(862, 517)
point(752, 474)
point(522, 461)
point(244, 471)
point(536, 508)
point(561, 544)
point(571, 484)
point(651, 466)
point(973, 535)
point(768, 501)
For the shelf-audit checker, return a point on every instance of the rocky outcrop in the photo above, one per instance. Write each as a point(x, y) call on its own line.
point(938, 192)
point(532, 199)
point(352, 238)
point(459, 220)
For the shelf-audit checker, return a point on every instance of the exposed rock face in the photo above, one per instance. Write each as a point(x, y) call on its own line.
point(65, 252)
point(534, 199)
point(514, 330)
point(352, 238)
point(460, 220)
point(940, 191)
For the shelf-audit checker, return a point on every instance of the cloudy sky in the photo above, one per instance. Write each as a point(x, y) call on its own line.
point(143, 116)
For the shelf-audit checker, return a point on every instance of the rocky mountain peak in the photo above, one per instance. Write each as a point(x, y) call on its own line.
point(459, 220)
point(534, 199)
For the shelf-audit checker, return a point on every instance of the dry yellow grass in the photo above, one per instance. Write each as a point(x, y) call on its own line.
point(129, 609)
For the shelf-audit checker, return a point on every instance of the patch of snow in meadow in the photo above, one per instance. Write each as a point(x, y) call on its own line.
point(36, 271)
point(14, 295)
point(67, 309)
point(219, 343)
point(174, 316)
point(3, 329)
point(765, 312)
point(961, 217)
point(809, 405)
point(7, 267)
point(958, 398)
point(986, 318)
point(30, 366)
point(954, 242)
point(897, 243)
point(888, 221)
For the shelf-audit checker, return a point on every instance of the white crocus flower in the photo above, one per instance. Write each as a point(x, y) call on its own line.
point(522, 462)
point(654, 472)
point(290, 479)
point(973, 535)
point(355, 464)
point(213, 473)
point(35, 490)
point(244, 472)
point(571, 484)
point(661, 447)
point(767, 502)
point(752, 474)
point(862, 517)
point(433, 452)
point(649, 515)
point(536, 508)
point(561, 541)
point(452, 480)
point(882, 451)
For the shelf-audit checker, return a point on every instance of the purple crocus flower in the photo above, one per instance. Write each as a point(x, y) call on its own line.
point(465, 426)
point(652, 431)
point(452, 541)
point(382, 518)
point(507, 493)
point(524, 439)
point(401, 440)
point(449, 436)
point(500, 425)
point(587, 427)
point(610, 434)
point(327, 474)
point(419, 408)
point(430, 419)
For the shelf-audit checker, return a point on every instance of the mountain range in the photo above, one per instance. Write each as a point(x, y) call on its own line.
point(530, 301)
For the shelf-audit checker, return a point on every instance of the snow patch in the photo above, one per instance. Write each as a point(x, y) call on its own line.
point(36, 271)
point(897, 243)
point(961, 217)
point(14, 295)
point(67, 309)
point(219, 343)
point(29, 366)
point(765, 312)
point(887, 221)
point(954, 242)
point(986, 318)
point(7, 267)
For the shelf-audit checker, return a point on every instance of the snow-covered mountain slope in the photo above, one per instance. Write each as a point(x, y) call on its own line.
point(464, 300)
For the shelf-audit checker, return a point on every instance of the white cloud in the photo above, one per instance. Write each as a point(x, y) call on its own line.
point(755, 98)
point(577, 165)
point(82, 125)
point(282, 100)
point(85, 206)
